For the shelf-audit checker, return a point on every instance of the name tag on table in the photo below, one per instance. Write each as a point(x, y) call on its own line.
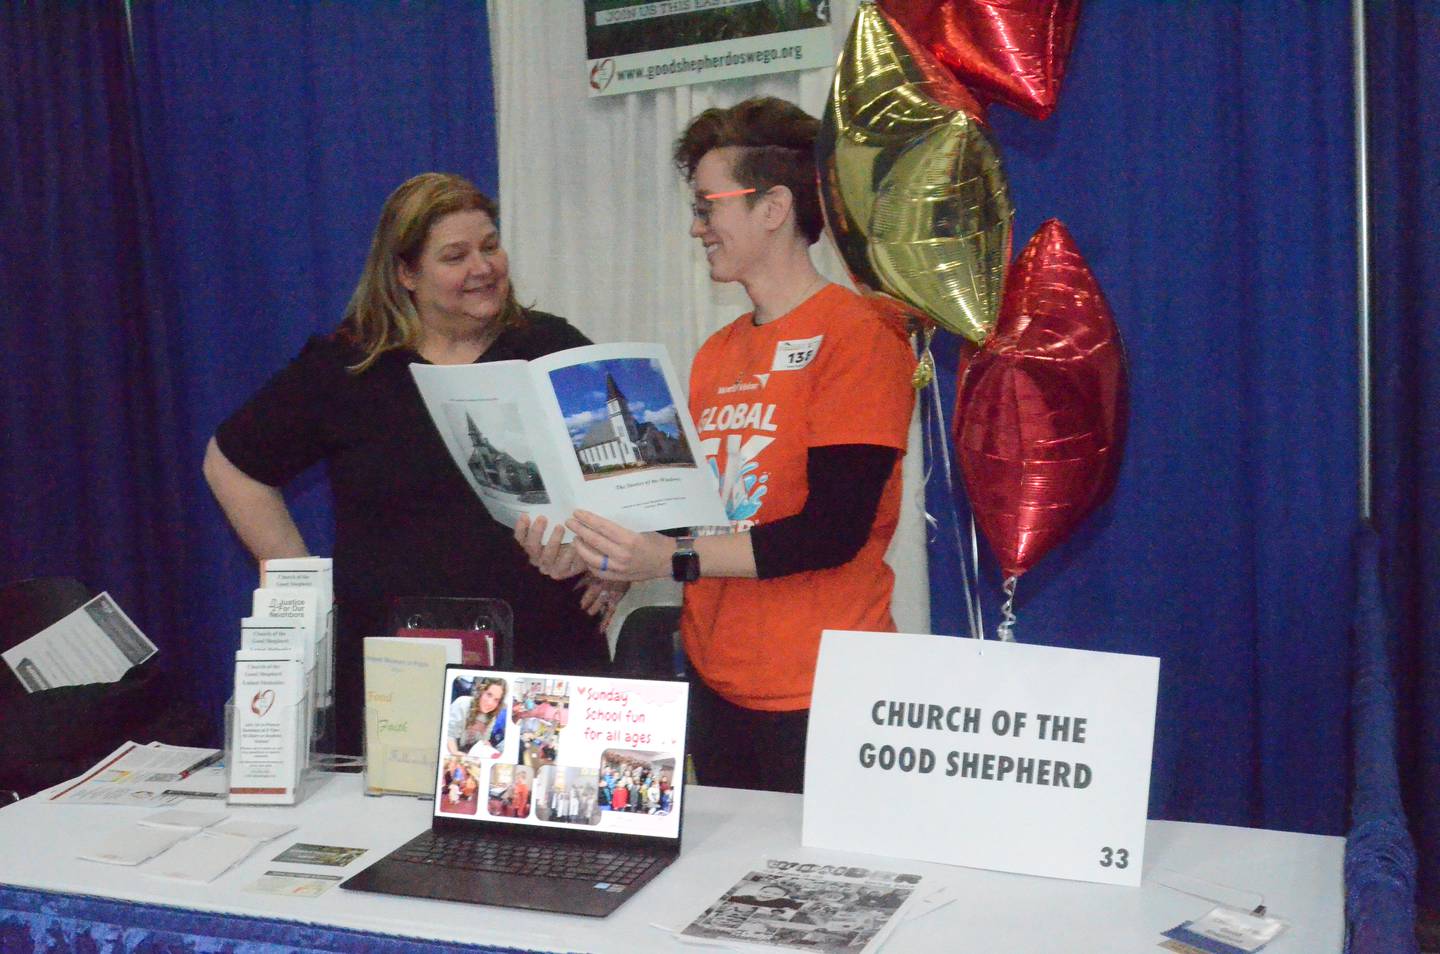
point(1007, 756)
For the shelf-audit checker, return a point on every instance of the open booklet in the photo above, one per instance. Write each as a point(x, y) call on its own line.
point(603, 428)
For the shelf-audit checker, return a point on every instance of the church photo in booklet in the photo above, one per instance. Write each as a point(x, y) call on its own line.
point(602, 428)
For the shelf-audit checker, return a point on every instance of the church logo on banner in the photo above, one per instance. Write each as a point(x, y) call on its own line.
point(1005, 756)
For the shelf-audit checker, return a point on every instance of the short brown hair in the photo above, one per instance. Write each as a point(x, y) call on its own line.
point(381, 315)
point(776, 146)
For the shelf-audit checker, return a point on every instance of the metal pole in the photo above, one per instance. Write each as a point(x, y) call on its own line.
point(1362, 255)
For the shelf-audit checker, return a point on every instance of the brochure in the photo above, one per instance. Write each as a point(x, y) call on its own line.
point(135, 774)
point(310, 573)
point(96, 643)
point(269, 729)
point(603, 428)
point(809, 907)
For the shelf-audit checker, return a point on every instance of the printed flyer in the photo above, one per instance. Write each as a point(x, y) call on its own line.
point(809, 907)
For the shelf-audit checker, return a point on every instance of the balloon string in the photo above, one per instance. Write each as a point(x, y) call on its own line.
point(933, 430)
point(1005, 632)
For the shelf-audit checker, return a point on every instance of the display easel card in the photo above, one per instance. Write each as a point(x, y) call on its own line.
point(403, 678)
point(1009, 756)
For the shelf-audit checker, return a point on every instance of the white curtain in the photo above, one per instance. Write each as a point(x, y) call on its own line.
point(595, 218)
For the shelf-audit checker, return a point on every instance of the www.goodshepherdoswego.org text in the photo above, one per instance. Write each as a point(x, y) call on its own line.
point(701, 63)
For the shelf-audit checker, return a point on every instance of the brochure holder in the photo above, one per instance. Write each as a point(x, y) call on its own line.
point(485, 626)
point(311, 764)
point(314, 738)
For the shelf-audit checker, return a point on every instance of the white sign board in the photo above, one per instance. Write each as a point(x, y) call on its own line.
point(1005, 756)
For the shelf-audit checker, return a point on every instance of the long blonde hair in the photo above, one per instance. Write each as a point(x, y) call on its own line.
point(381, 315)
point(473, 714)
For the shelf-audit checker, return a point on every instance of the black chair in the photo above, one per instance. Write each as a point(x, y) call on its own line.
point(28, 606)
point(51, 735)
point(648, 646)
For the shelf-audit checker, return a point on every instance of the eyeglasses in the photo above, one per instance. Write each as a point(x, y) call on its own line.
point(702, 210)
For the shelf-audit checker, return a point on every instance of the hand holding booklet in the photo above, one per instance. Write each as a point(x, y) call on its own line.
point(603, 427)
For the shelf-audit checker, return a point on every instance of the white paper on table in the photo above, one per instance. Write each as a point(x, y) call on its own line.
point(208, 782)
point(294, 884)
point(807, 906)
point(201, 858)
point(135, 774)
point(96, 643)
point(257, 831)
point(191, 821)
point(133, 844)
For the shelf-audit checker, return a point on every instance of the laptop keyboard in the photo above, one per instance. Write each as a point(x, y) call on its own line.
point(469, 853)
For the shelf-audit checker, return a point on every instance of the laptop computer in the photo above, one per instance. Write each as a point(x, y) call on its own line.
point(552, 792)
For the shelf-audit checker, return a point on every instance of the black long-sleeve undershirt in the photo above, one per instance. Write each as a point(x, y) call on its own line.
point(845, 483)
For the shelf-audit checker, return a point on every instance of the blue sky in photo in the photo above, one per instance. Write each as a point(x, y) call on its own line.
point(580, 389)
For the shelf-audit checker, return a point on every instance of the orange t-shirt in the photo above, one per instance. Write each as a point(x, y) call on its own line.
point(833, 371)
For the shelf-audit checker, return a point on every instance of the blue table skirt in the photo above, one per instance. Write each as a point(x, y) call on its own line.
point(66, 923)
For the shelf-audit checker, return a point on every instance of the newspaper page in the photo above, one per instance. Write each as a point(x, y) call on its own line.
point(809, 907)
point(96, 643)
point(135, 774)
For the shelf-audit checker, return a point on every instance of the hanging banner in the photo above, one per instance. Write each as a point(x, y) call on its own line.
point(1008, 756)
point(635, 45)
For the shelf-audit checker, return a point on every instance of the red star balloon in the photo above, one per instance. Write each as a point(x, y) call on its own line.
point(1041, 409)
point(1006, 51)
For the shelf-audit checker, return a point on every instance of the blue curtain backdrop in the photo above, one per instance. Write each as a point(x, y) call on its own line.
point(1202, 157)
point(89, 448)
point(178, 223)
point(274, 132)
point(1404, 97)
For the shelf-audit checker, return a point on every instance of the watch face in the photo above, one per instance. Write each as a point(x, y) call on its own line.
point(685, 566)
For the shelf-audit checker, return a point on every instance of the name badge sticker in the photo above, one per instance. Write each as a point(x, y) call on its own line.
point(792, 355)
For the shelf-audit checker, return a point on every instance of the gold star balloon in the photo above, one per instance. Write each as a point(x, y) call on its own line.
point(911, 181)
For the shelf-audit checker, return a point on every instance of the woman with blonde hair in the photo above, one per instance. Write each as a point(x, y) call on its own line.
point(475, 724)
point(435, 289)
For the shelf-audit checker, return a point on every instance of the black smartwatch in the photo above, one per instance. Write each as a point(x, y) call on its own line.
point(685, 564)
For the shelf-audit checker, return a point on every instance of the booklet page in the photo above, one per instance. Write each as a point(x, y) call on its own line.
point(633, 449)
point(490, 421)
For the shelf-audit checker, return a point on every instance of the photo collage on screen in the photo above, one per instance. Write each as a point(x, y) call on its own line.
point(507, 754)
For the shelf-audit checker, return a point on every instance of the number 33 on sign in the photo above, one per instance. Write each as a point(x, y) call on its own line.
point(1114, 857)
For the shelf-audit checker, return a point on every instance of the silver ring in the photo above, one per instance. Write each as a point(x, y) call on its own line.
point(604, 562)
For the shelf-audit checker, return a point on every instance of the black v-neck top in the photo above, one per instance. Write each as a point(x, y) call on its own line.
point(406, 522)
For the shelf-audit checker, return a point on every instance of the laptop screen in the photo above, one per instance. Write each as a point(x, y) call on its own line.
point(593, 753)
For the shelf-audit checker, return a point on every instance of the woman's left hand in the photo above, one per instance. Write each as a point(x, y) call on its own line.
point(599, 598)
point(554, 558)
point(613, 553)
